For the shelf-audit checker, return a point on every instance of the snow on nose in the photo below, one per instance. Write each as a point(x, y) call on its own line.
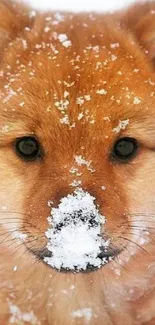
point(74, 236)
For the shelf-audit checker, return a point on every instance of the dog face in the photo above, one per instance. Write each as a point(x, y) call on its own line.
point(77, 111)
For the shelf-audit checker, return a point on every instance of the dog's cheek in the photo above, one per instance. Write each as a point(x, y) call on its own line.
point(140, 188)
point(11, 199)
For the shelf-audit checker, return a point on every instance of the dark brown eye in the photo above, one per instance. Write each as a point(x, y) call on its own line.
point(125, 149)
point(27, 148)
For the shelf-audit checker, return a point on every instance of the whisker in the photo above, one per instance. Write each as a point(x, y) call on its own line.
point(139, 214)
point(116, 261)
point(36, 262)
point(13, 240)
point(44, 288)
point(106, 304)
point(22, 228)
point(152, 237)
point(12, 218)
point(135, 234)
point(13, 222)
point(3, 241)
point(12, 231)
point(15, 212)
point(124, 248)
point(20, 246)
point(141, 228)
point(131, 241)
point(138, 221)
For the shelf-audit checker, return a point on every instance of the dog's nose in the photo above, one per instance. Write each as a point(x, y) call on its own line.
point(74, 238)
point(78, 217)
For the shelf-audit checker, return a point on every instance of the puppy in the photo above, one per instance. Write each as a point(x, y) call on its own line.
point(77, 120)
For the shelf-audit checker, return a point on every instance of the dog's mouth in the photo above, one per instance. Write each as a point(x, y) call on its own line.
point(105, 256)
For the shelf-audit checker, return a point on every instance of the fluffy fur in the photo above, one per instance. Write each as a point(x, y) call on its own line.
point(114, 52)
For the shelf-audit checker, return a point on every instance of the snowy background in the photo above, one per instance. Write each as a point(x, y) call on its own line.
point(81, 5)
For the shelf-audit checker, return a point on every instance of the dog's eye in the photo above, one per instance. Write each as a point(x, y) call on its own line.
point(125, 149)
point(27, 148)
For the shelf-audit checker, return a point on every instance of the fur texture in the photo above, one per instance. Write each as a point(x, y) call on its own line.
point(108, 63)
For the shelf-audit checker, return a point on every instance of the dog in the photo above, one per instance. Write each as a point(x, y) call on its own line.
point(77, 123)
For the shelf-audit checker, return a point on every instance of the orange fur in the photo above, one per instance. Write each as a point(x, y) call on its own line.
point(35, 71)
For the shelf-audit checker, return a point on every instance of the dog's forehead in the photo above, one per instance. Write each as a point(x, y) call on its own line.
point(78, 72)
point(83, 88)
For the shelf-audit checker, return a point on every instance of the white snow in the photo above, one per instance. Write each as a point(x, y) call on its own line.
point(121, 126)
point(86, 313)
point(18, 318)
point(62, 104)
point(80, 116)
point(114, 45)
point(76, 183)
point(66, 94)
point(24, 42)
point(136, 100)
point(113, 57)
point(65, 119)
point(22, 104)
point(32, 13)
point(80, 5)
point(5, 128)
point(15, 268)
point(62, 37)
point(101, 92)
point(80, 160)
point(74, 235)
point(64, 40)
point(19, 235)
point(80, 100)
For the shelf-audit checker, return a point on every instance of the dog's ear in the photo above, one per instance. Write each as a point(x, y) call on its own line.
point(13, 18)
point(140, 20)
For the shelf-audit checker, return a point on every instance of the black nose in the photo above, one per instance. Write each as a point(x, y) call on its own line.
point(77, 216)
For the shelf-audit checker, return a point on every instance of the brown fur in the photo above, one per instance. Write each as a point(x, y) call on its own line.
point(123, 291)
